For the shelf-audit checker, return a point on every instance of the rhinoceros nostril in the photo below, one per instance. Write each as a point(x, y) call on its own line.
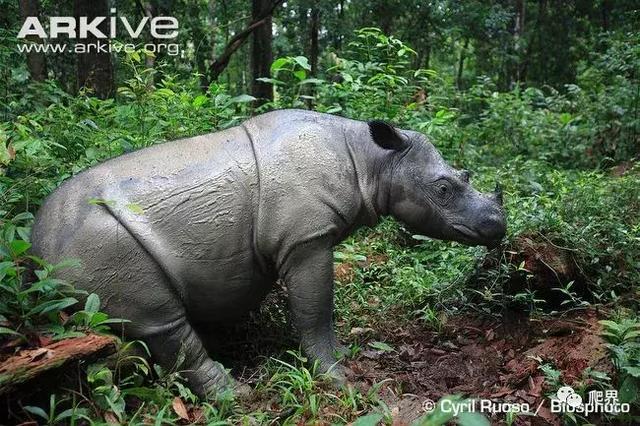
point(493, 227)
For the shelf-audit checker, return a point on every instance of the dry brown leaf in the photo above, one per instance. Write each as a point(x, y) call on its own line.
point(489, 335)
point(179, 408)
point(198, 415)
point(111, 418)
point(502, 392)
point(44, 340)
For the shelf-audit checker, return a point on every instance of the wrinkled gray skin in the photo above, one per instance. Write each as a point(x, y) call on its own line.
point(225, 215)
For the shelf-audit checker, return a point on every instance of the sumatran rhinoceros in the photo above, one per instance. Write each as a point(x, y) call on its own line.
point(196, 231)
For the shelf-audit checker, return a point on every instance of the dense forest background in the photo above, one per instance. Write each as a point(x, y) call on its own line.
point(543, 96)
point(531, 43)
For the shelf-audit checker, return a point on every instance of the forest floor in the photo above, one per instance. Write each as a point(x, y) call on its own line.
point(484, 358)
point(472, 355)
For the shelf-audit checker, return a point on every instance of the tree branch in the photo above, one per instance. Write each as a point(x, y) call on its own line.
point(220, 63)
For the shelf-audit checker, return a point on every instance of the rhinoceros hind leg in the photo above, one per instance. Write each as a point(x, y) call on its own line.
point(178, 347)
point(133, 286)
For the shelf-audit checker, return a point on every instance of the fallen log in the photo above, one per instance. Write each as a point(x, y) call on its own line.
point(30, 364)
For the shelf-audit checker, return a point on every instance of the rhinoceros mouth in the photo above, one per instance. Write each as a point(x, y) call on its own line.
point(466, 232)
point(472, 237)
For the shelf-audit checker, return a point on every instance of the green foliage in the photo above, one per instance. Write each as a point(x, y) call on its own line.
point(377, 68)
point(56, 414)
point(297, 387)
point(290, 81)
point(32, 298)
point(26, 306)
point(589, 215)
point(624, 347)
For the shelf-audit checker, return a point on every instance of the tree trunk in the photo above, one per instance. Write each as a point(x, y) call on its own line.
point(28, 365)
point(261, 52)
point(313, 37)
point(314, 50)
point(384, 15)
point(203, 50)
point(518, 32)
point(95, 70)
point(461, 59)
point(606, 13)
point(36, 61)
point(340, 27)
point(150, 11)
point(423, 57)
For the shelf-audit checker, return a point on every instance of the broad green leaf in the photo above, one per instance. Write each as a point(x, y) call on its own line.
point(20, 217)
point(7, 268)
point(52, 305)
point(381, 346)
point(24, 233)
point(303, 62)
point(7, 330)
point(368, 420)
point(9, 232)
point(135, 56)
point(199, 101)
point(37, 411)
point(565, 118)
point(632, 371)
point(92, 304)
point(71, 412)
point(242, 99)
point(467, 418)
point(165, 92)
point(18, 247)
point(608, 323)
point(629, 390)
point(278, 64)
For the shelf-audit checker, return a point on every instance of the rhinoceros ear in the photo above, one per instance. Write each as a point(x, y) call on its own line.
point(386, 136)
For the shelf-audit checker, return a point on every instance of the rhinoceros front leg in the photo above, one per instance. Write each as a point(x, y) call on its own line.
point(308, 275)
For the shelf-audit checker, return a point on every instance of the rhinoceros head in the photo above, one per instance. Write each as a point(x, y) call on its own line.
point(431, 197)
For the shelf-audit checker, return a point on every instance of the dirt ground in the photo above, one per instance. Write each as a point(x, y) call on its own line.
point(493, 359)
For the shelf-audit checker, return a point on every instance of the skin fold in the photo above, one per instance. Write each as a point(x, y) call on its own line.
point(195, 232)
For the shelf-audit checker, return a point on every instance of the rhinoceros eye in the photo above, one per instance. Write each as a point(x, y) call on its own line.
point(442, 189)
